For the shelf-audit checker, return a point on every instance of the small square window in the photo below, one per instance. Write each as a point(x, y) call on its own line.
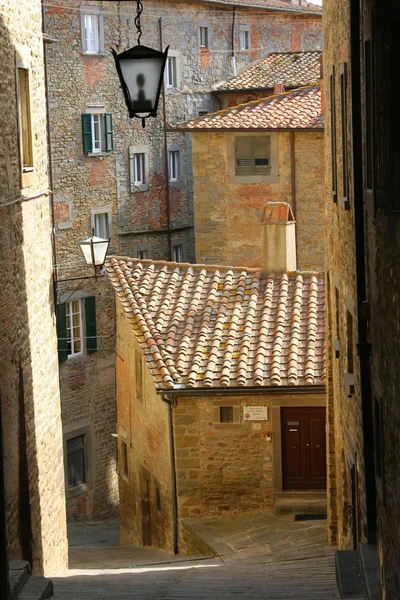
point(124, 458)
point(173, 165)
point(245, 39)
point(226, 414)
point(171, 72)
point(142, 254)
point(252, 155)
point(202, 113)
point(177, 253)
point(203, 36)
point(76, 460)
point(101, 223)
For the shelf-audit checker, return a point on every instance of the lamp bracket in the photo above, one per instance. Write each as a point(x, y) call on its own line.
point(139, 10)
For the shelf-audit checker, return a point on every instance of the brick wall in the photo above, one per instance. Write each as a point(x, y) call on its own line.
point(228, 216)
point(30, 401)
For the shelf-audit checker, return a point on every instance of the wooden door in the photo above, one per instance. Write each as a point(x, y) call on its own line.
point(145, 509)
point(303, 448)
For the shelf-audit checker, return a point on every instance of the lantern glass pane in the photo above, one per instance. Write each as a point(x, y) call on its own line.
point(100, 247)
point(142, 77)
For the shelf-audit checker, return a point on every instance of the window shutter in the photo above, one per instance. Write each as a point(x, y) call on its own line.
point(109, 132)
point(87, 133)
point(91, 329)
point(62, 342)
point(243, 155)
point(261, 155)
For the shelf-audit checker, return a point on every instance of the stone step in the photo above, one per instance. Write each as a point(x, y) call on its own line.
point(349, 575)
point(19, 571)
point(371, 572)
point(300, 504)
point(36, 588)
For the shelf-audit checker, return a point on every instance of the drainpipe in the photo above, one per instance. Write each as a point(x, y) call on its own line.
point(293, 180)
point(166, 156)
point(233, 41)
point(171, 401)
point(363, 345)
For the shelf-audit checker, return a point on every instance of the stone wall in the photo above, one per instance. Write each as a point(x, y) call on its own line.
point(345, 408)
point(143, 427)
point(30, 401)
point(228, 215)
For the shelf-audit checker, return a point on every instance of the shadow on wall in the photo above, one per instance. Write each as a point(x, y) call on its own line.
point(23, 512)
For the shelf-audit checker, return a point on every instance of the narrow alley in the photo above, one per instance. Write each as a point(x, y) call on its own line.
point(259, 556)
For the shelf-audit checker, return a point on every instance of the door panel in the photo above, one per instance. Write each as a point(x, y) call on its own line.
point(303, 448)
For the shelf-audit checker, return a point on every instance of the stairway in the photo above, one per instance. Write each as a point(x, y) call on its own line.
point(24, 586)
point(357, 573)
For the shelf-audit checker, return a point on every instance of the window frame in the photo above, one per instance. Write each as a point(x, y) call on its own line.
point(105, 127)
point(171, 76)
point(226, 414)
point(244, 38)
point(70, 338)
point(97, 12)
point(26, 131)
point(273, 177)
point(204, 27)
point(107, 212)
point(71, 432)
point(332, 91)
point(344, 200)
point(174, 165)
point(181, 242)
point(236, 410)
point(88, 323)
point(136, 185)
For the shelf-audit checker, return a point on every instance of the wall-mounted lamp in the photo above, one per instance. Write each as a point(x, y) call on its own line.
point(141, 71)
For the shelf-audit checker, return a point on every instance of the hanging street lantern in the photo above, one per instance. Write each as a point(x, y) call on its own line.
point(95, 250)
point(141, 71)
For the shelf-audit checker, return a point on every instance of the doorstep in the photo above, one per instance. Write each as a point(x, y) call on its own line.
point(300, 502)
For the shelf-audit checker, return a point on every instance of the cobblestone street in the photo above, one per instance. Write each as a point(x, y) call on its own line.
point(259, 557)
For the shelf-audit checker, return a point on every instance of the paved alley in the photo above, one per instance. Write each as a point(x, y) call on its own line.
point(260, 556)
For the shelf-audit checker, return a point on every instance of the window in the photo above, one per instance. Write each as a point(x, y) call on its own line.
point(177, 253)
point(244, 39)
point(139, 175)
point(92, 29)
point(252, 155)
point(139, 168)
point(76, 327)
point(76, 460)
point(226, 414)
point(101, 222)
point(91, 34)
point(203, 36)
point(343, 114)
point(124, 458)
point(171, 72)
point(139, 376)
point(350, 349)
point(333, 134)
point(25, 119)
point(97, 133)
point(173, 165)
point(142, 254)
point(336, 342)
point(202, 113)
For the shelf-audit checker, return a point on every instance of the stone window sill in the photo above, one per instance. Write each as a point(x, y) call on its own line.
point(98, 154)
point(77, 490)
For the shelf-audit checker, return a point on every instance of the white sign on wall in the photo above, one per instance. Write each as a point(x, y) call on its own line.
point(255, 413)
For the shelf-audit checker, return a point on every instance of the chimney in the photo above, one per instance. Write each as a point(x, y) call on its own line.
point(279, 88)
point(278, 238)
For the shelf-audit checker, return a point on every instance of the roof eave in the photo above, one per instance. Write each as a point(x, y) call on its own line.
point(250, 390)
point(222, 129)
point(266, 8)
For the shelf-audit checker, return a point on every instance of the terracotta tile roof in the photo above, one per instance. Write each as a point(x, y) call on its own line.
point(276, 5)
point(299, 109)
point(210, 327)
point(293, 69)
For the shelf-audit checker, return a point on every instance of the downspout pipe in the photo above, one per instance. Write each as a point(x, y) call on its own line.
point(293, 179)
point(363, 345)
point(4, 579)
point(233, 42)
point(167, 198)
point(171, 402)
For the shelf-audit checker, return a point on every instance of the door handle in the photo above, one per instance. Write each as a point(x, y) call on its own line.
point(307, 444)
point(318, 445)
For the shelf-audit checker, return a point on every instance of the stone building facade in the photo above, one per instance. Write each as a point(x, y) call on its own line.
point(230, 192)
point(29, 392)
point(220, 392)
point(361, 55)
point(110, 174)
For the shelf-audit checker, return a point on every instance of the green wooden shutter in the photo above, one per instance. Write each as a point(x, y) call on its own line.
point(243, 156)
point(261, 155)
point(109, 132)
point(91, 329)
point(87, 133)
point(62, 342)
